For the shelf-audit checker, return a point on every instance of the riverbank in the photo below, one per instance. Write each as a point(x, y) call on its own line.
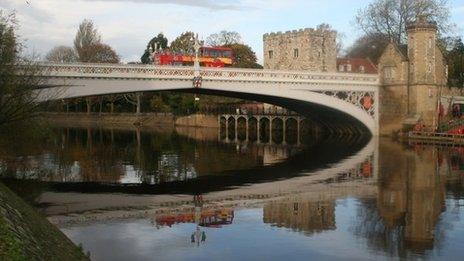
point(26, 235)
point(132, 119)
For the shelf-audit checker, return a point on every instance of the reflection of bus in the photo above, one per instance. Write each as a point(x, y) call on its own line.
point(209, 218)
point(208, 56)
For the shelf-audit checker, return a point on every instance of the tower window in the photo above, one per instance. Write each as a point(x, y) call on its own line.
point(271, 54)
point(295, 53)
point(348, 67)
point(389, 73)
point(361, 69)
point(341, 68)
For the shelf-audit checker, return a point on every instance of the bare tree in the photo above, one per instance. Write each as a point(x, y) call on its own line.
point(339, 38)
point(87, 36)
point(134, 99)
point(368, 46)
point(62, 54)
point(224, 38)
point(19, 77)
point(391, 17)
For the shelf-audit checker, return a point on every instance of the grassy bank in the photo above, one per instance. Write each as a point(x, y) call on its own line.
point(27, 235)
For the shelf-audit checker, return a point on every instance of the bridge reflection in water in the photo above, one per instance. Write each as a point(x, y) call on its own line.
point(387, 199)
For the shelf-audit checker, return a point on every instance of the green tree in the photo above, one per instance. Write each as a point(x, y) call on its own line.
point(160, 41)
point(390, 18)
point(455, 58)
point(157, 104)
point(184, 43)
point(244, 56)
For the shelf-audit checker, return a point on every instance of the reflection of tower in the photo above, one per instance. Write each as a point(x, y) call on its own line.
point(411, 194)
point(309, 217)
point(426, 195)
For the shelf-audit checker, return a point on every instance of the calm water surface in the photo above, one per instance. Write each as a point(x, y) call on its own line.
point(337, 198)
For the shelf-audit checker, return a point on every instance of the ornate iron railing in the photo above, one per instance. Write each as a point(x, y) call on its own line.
point(232, 74)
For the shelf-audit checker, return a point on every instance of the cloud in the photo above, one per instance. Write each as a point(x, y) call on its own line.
point(210, 4)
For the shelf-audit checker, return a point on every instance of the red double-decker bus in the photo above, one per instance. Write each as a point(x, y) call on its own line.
point(208, 56)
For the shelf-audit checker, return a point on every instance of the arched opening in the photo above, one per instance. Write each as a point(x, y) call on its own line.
point(334, 117)
point(241, 128)
point(222, 128)
point(252, 129)
point(291, 131)
point(264, 130)
point(277, 130)
point(231, 128)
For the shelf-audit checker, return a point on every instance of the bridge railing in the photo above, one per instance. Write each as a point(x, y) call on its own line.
point(231, 74)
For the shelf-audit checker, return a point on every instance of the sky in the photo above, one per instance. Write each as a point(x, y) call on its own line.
point(128, 25)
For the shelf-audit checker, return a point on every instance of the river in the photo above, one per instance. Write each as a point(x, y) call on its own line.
point(185, 193)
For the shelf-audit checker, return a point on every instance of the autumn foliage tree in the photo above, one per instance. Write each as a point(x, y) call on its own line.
point(62, 54)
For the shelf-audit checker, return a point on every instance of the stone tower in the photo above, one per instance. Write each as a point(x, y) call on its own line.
point(411, 79)
point(425, 69)
point(305, 49)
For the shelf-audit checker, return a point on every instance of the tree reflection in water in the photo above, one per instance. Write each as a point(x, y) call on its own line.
point(96, 157)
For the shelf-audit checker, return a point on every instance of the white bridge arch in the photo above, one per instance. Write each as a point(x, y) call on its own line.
point(330, 98)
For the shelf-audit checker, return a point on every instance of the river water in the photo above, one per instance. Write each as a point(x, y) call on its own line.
point(175, 194)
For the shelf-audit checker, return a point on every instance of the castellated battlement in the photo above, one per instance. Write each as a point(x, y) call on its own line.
point(304, 49)
point(299, 32)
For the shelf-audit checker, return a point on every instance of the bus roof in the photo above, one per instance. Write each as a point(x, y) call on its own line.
point(217, 48)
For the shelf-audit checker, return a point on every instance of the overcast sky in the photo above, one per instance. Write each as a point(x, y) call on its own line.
point(127, 25)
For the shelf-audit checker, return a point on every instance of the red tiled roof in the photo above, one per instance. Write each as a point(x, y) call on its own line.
point(356, 64)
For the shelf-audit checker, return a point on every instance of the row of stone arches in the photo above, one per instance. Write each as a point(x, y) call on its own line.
point(262, 129)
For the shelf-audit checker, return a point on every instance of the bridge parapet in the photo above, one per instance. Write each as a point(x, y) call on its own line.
point(222, 74)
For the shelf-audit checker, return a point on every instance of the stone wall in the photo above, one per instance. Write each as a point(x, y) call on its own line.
point(198, 120)
point(127, 119)
point(304, 49)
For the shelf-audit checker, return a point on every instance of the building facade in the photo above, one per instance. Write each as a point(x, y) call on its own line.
point(411, 79)
point(304, 49)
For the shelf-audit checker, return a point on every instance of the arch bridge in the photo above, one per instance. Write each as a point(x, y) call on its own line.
point(339, 102)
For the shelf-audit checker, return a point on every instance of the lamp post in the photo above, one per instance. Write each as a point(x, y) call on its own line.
point(196, 64)
point(150, 54)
